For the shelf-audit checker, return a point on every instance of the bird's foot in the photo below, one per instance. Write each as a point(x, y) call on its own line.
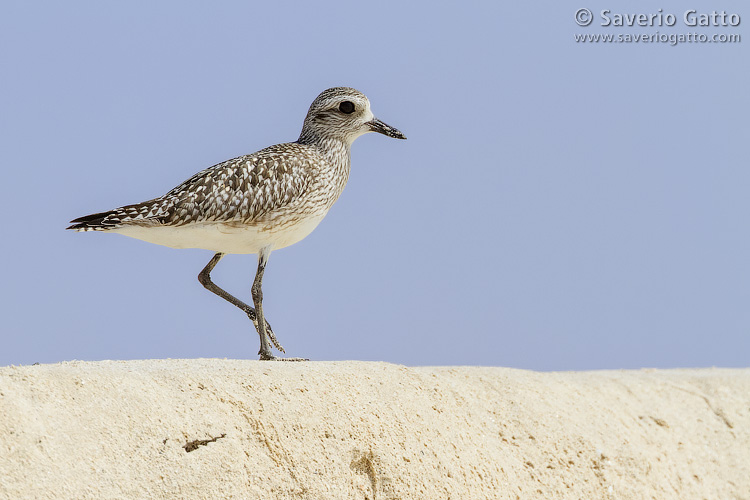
point(267, 356)
point(272, 338)
point(269, 332)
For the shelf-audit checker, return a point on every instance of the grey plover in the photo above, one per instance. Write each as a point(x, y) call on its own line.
point(255, 203)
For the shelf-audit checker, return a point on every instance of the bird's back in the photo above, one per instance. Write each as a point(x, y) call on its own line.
point(280, 189)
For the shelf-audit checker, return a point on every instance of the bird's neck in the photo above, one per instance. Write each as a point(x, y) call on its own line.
point(336, 150)
point(338, 160)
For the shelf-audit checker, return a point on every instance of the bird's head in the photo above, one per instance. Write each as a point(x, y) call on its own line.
point(342, 113)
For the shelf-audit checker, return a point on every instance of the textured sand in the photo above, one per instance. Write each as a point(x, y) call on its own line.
point(355, 430)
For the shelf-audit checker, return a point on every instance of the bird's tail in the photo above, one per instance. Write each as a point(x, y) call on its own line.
point(93, 222)
point(149, 212)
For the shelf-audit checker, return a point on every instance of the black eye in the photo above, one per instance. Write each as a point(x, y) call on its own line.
point(347, 107)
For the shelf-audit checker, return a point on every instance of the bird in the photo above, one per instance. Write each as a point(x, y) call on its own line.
point(256, 203)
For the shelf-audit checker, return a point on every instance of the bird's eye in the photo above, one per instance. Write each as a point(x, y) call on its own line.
point(347, 107)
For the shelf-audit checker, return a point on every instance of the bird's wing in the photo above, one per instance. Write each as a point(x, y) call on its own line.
point(240, 190)
point(243, 189)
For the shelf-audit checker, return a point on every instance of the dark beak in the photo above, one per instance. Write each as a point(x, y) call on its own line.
point(382, 128)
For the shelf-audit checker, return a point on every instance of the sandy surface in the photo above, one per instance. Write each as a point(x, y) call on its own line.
point(354, 430)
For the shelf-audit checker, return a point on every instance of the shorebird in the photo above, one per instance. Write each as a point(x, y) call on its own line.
point(256, 203)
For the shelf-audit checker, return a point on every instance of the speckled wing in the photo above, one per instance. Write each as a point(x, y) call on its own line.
point(241, 190)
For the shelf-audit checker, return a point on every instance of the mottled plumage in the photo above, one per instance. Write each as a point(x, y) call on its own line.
point(255, 203)
point(241, 190)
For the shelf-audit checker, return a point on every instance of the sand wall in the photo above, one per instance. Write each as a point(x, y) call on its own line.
point(357, 430)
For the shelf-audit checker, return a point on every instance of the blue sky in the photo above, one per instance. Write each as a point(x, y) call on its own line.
point(558, 205)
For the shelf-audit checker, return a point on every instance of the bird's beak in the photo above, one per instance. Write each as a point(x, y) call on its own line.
point(382, 128)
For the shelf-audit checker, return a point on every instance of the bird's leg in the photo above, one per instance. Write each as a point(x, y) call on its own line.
point(205, 279)
point(257, 292)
